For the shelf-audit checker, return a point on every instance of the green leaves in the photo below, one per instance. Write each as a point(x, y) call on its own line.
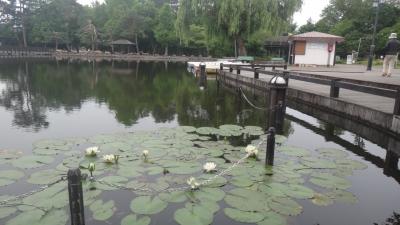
point(252, 193)
point(243, 217)
point(147, 205)
point(285, 206)
point(134, 220)
point(193, 215)
point(102, 210)
point(327, 180)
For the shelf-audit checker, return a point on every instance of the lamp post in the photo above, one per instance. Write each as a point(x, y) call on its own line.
point(376, 5)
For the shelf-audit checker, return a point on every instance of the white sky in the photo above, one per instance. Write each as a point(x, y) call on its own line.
point(311, 8)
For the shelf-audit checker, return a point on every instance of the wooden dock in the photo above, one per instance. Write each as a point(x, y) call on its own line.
point(372, 103)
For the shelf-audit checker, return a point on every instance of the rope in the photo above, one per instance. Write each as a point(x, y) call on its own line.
point(249, 102)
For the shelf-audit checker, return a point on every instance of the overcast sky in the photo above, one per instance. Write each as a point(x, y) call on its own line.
point(311, 9)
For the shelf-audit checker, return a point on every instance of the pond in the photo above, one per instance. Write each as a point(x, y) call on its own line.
point(164, 128)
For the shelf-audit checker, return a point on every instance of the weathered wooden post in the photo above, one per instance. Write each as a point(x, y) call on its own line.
point(286, 76)
point(203, 75)
point(277, 103)
point(397, 104)
point(76, 197)
point(269, 157)
point(334, 93)
point(256, 74)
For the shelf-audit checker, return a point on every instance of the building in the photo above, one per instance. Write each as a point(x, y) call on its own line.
point(313, 48)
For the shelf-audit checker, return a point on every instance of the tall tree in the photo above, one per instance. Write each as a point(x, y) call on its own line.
point(165, 28)
point(239, 20)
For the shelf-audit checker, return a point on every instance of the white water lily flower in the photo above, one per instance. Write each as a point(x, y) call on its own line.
point(251, 150)
point(92, 151)
point(209, 167)
point(109, 158)
point(193, 183)
point(145, 153)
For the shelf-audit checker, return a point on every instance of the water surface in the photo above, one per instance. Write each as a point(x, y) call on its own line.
point(50, 99)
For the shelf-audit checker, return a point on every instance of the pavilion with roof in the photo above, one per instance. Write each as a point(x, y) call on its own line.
point(122, 45)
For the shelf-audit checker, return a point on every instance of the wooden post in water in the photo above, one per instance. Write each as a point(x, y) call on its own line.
point(277, 103)
point(203, 75)
point(269, 157)
point(76, 197)
point(334, 93)
point(256, 74)
point(397, 104)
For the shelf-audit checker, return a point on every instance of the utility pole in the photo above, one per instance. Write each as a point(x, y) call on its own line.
point(376, 5)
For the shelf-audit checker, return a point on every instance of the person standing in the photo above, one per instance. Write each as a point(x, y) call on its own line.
point(391, 50)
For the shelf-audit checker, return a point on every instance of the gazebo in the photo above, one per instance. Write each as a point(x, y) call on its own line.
point(122, 43)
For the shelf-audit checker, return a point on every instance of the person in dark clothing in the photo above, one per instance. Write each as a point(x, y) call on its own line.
point(392, 49)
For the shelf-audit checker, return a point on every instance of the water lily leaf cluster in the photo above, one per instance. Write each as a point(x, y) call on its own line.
point(155, 184)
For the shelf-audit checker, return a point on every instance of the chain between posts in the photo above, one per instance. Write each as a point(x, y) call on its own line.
point(184, 188)
point(30, 193)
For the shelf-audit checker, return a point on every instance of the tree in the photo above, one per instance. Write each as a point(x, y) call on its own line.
point(238, 20)
point(60, 20)
point(165, 30)
point(308, 27)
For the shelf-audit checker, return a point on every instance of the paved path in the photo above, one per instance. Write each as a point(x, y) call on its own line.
point(358, 72)
point(372, 101)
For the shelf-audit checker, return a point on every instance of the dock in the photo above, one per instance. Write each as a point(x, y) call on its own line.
point(371, 100)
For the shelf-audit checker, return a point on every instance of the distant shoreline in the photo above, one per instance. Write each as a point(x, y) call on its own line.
point(130, 57)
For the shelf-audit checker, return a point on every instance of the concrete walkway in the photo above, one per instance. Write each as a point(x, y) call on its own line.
point(358, 72)
point(382, 104)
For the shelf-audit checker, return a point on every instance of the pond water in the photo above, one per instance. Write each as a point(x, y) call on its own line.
point(129, 101)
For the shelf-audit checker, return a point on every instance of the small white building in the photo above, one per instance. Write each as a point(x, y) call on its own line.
point(313, 48)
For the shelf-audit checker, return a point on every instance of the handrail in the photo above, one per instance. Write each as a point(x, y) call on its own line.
point(335, 83)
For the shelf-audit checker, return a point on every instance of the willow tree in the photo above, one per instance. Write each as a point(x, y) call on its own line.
point(238, 20)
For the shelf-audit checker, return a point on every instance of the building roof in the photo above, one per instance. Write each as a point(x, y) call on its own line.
point(279, 41)
point(122, 42)
point(316, 36)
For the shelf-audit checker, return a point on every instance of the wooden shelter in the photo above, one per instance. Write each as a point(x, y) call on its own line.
point(122, 44)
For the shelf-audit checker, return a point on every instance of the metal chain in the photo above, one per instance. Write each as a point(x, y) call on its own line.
point(30, 193)
point(184, 188)
point(249, 102)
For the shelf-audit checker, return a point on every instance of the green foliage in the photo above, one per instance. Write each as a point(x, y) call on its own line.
point(354, 19)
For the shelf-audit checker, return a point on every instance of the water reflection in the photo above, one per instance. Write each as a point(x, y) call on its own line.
point(332, 128)
point(131, 90)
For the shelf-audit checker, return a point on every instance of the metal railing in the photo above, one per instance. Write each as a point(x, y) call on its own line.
point(382, 90)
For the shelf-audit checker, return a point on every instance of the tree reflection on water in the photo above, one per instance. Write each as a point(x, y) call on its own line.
point(130, 91)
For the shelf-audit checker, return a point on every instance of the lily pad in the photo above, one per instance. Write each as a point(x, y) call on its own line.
point(332, 153)
point(243, 217)
point(195, 215)
point(285, 206)
point(32, 161)
point(343, 196)
point(134, 220)
point(148, 205)
point(330, 181)
point(321, 200)
point(294, 151)
point(272, 218)
point(102, 210)
point(6, 211)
